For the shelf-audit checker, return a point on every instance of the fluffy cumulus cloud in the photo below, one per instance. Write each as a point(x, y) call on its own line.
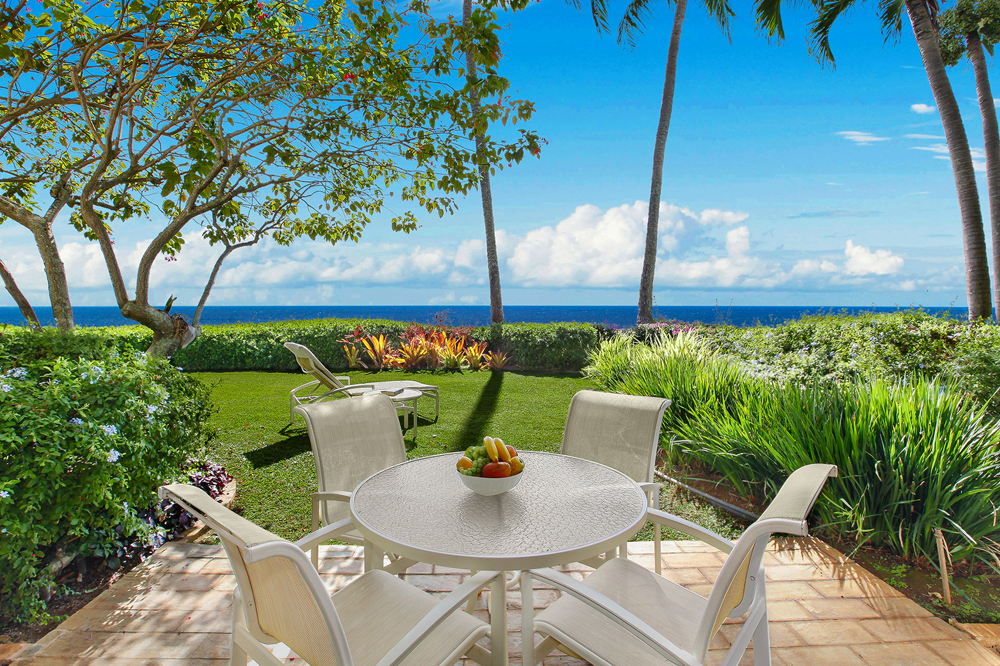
point(590, 248)
point(862, 261)
point(861, 138)
point(922, 109)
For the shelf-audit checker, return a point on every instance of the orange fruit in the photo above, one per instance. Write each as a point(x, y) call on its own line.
point(464, 463)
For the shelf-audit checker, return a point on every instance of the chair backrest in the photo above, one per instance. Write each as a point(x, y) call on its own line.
point(280, 594)
point(741, 581)
point(617, 430)
point(351, 440)
point(311, 365)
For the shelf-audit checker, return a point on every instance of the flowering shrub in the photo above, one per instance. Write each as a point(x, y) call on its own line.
point(84, 443)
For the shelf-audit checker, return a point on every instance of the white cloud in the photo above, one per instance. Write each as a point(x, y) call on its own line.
point(861, 138)
point(941, 148)
point(922, 136)
point(862, 261)
point(471, 253)
point(922, 108)
point(711, 215)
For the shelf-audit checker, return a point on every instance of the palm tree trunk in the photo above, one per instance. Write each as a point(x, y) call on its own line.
point(653, 221)
point(977, 275)
point(991, 138)
point(492, 264)
point(22, 303)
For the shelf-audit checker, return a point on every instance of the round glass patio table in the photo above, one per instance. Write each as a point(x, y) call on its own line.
point(563, 510)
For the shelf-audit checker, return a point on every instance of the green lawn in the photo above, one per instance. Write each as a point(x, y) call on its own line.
point(273, 463)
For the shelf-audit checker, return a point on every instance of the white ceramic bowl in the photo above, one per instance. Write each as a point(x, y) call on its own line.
point(485, 486)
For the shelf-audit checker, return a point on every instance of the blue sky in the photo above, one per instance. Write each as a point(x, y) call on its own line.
point(785, 183)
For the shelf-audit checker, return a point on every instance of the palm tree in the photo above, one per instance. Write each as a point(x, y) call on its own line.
point(922, 15)
point(967, 29)
point(492, 264)
point(630, 25)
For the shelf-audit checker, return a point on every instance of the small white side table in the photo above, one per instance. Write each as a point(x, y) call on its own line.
point(405, 401)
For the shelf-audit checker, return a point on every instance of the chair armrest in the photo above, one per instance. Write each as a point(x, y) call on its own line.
point(343, 380)
point(691, 529)
point(617, 613)
point(338, 495)
point(313, 383)
point(325, 533)
point(448, 605)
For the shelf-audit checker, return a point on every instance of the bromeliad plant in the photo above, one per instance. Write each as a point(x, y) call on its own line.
point(351, 350)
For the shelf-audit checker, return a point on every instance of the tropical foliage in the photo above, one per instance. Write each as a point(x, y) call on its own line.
point(86, 437)
point(914, 455)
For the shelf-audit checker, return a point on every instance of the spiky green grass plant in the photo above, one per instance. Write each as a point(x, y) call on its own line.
point(912, 456)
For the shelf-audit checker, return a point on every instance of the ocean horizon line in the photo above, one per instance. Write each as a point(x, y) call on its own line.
point(615, 316)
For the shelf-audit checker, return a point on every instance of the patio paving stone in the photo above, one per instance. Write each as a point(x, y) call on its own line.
point(176, 608)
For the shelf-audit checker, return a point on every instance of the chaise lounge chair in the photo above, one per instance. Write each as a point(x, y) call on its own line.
point(327, 385)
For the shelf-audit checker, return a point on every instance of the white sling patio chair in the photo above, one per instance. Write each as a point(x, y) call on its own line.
point(624, 615)
point(375, 620)
point(622, 432)
point(327, 385)
point(351, 440)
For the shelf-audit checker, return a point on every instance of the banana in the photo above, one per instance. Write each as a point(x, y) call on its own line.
point(502, 450)
point(491, 449)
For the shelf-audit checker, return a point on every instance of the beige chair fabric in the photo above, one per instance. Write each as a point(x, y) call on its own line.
point(620, 431)
point(327, 385)
point(603, 618)
point(617, 430)
point(280, 599)
point(351, 440)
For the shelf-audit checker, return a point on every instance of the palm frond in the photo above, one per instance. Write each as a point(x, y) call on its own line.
point(599, 10)
point(769, 18)
point(828, 11)
point(633, 21)
point(891, 15)
point(720, 10)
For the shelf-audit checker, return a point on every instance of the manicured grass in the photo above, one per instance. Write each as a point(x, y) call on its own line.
point(273, 462)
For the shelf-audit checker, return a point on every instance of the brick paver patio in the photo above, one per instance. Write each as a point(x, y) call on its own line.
point(825, 610)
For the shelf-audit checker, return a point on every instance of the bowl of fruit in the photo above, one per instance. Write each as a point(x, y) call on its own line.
point(490, 469)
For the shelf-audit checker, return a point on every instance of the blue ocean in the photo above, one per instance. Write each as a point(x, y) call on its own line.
point(620, 316)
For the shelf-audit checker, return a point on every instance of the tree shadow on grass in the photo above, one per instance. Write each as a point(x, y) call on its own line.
point(474, 428)
point(276, 452)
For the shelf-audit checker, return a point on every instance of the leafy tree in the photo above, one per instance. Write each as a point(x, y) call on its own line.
point(630, 25)
point(268, 119)
point(967, 29)
point(922, 14)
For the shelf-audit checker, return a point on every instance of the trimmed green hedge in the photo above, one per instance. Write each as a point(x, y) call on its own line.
point(244, 347)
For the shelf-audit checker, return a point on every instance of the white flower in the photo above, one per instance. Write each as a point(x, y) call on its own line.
point(4, 494)
point(6, 388)
point(113, 456)
point(152, 409)
point(76, 421)
point(109, 430)
point(17, 373)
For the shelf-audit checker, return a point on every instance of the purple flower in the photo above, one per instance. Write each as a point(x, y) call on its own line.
point(76, 421)
point(113, 456)
point(6, 388)
point(109, 430)
point(4, 494)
